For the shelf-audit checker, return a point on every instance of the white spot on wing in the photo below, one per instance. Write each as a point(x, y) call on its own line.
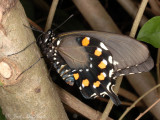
point(104, 61)
point(110, 59)
point(58, 42)
point(90, 65)
point(94, 86)
point(103, 93)
point(80, 88)
point(87, 70)
point(108, 86)
point(121, 74)
point(103, 46)
point(94, 94)
point(112, 88)
point(114, 77)
point(91, 58)
point(88, 38)
point(73, 70)
point(99, 49)
point(111, 73)
point(115, 62)
point(131, 73)
point(104, 74)
point(80, 70)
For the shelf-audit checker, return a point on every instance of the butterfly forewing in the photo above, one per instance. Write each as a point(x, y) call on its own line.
point(126, 51)
point(94, 59)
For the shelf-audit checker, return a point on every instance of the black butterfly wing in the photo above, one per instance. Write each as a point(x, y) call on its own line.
point(129, 55)
point(91, 61)
point(122, 54)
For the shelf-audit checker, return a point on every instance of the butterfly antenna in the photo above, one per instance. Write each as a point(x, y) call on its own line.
point(33, 28)
point(29, 67)
point(64, 22)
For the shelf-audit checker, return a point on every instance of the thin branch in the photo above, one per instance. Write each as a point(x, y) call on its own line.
point(138, 18)
point(78, 106)
point(140, 104)
point(157, 65)
point(140, 98)
point(51, 14)
point(110, 103)
point(142, 114)
point(132, 9)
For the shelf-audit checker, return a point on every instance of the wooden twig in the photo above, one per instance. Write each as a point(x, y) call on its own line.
point(140, 104)
point(51, 14)
point(140, 98)
point(132, 9)
point(78, 106)
point(138, 18)
point(110, 103)
point(142, 114)
point(157, 65)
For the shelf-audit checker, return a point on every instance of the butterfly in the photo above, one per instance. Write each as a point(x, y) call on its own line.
point(93, 60)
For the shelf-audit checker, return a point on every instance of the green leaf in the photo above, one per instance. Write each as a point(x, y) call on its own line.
point(150, 32)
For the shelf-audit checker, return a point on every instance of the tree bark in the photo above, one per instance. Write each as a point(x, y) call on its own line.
point(24, 94)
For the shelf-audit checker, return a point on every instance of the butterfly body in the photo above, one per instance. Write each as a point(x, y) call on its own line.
point(93, 60)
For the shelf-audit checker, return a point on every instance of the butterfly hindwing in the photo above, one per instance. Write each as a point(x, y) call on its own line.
point(99, 71)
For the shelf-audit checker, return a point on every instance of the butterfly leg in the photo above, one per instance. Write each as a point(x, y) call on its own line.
point(22, 49)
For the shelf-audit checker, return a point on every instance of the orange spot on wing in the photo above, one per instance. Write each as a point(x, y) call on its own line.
point(97, 52)
point(85, 82)
point(85, 41)
point(96, 84)
point(101, 76)
point(76, 76)
point(102, 65)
